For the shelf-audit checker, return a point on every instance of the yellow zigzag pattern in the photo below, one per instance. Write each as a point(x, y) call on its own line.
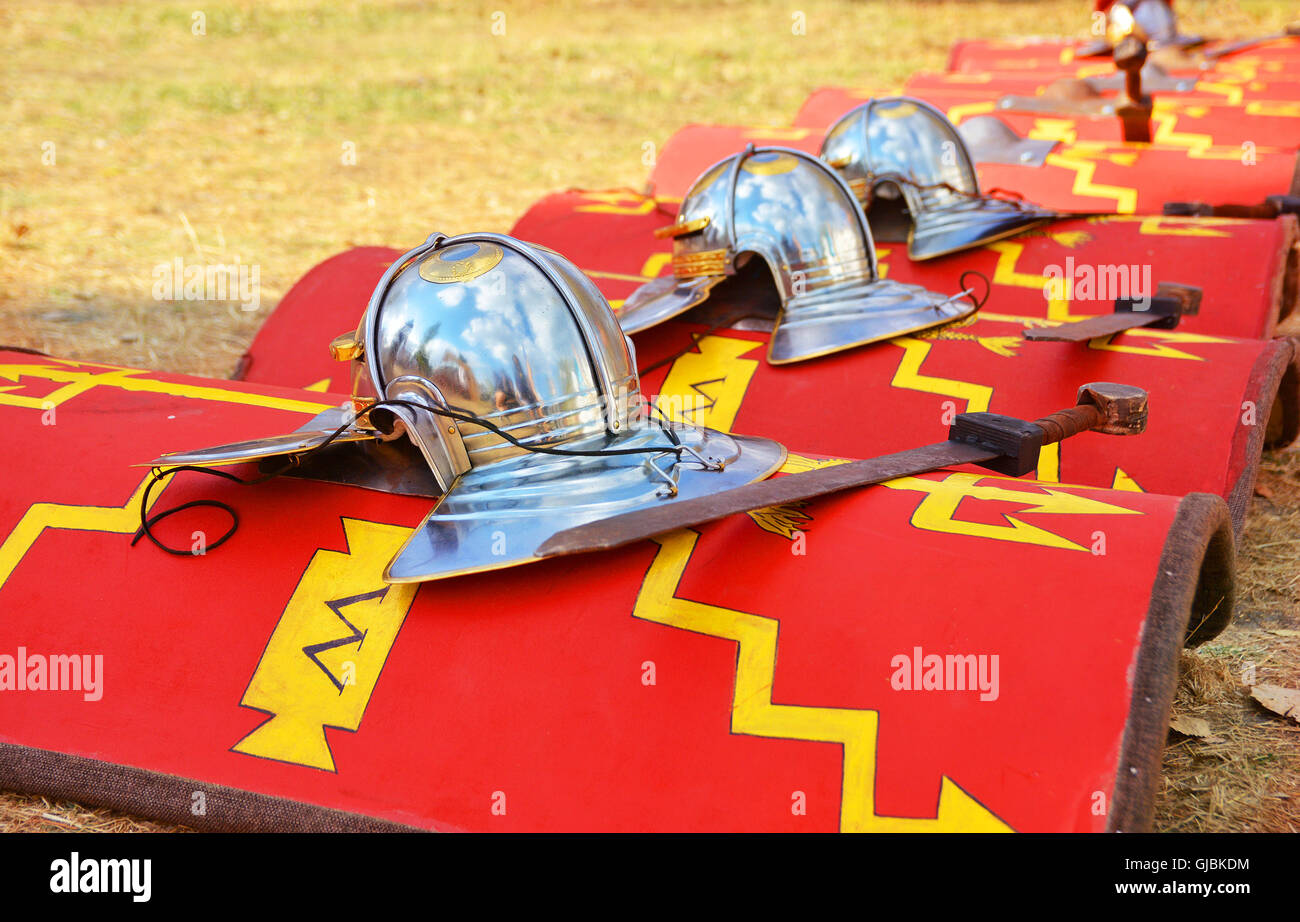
point(1006, 273)
point(76, 381)
point(754, 714)
point(626, 203)
point(123, 520)
point(1125, 198)
point(1197, 145)
point(908, 375)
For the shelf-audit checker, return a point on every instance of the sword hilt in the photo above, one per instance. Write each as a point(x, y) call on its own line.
point(1113, 409)
point(1062, 424)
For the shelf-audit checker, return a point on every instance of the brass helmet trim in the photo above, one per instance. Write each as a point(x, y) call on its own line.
point(461, 262)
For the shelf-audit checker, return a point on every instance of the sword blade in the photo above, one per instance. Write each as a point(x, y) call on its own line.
point(619, 530)
point(1102, 325)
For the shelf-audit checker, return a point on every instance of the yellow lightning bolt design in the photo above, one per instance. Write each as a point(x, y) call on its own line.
point(959, 113)
point(655, 263)
point(121, 520)
point(1273, 108)
point(1161, 349)
point(754, 714)
point(1125, 198)
point(773, 133)
point(1197, 146)
point(628, 203)
point(1006, 273)
point(1232, 93)
point(938, 510)
point(1162, 226)
point(908, 376)
point(1054, 129)
point(77, 380)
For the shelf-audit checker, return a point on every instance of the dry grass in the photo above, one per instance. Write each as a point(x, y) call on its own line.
point(1248, 779)
point(19, 813)
point(1245, 777)
point(231, 144)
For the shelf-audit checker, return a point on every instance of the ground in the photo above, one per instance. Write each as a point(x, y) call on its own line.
point(280, 132)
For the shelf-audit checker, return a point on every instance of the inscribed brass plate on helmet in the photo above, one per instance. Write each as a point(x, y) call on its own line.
point(460, 262)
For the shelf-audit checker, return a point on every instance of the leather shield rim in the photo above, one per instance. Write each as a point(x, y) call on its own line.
point(1267, 384)
point(1283, 287)
point(1287, 409)
point(1191, 602)
point(167, 798)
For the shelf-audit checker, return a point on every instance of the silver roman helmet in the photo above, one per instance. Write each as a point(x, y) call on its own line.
point(914, 176)
point(501, 373)
point(791, 210)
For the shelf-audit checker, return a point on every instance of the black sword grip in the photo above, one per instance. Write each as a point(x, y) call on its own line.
point(1018, 442)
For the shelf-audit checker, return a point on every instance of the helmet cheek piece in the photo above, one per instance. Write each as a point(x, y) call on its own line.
point(437, 437)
